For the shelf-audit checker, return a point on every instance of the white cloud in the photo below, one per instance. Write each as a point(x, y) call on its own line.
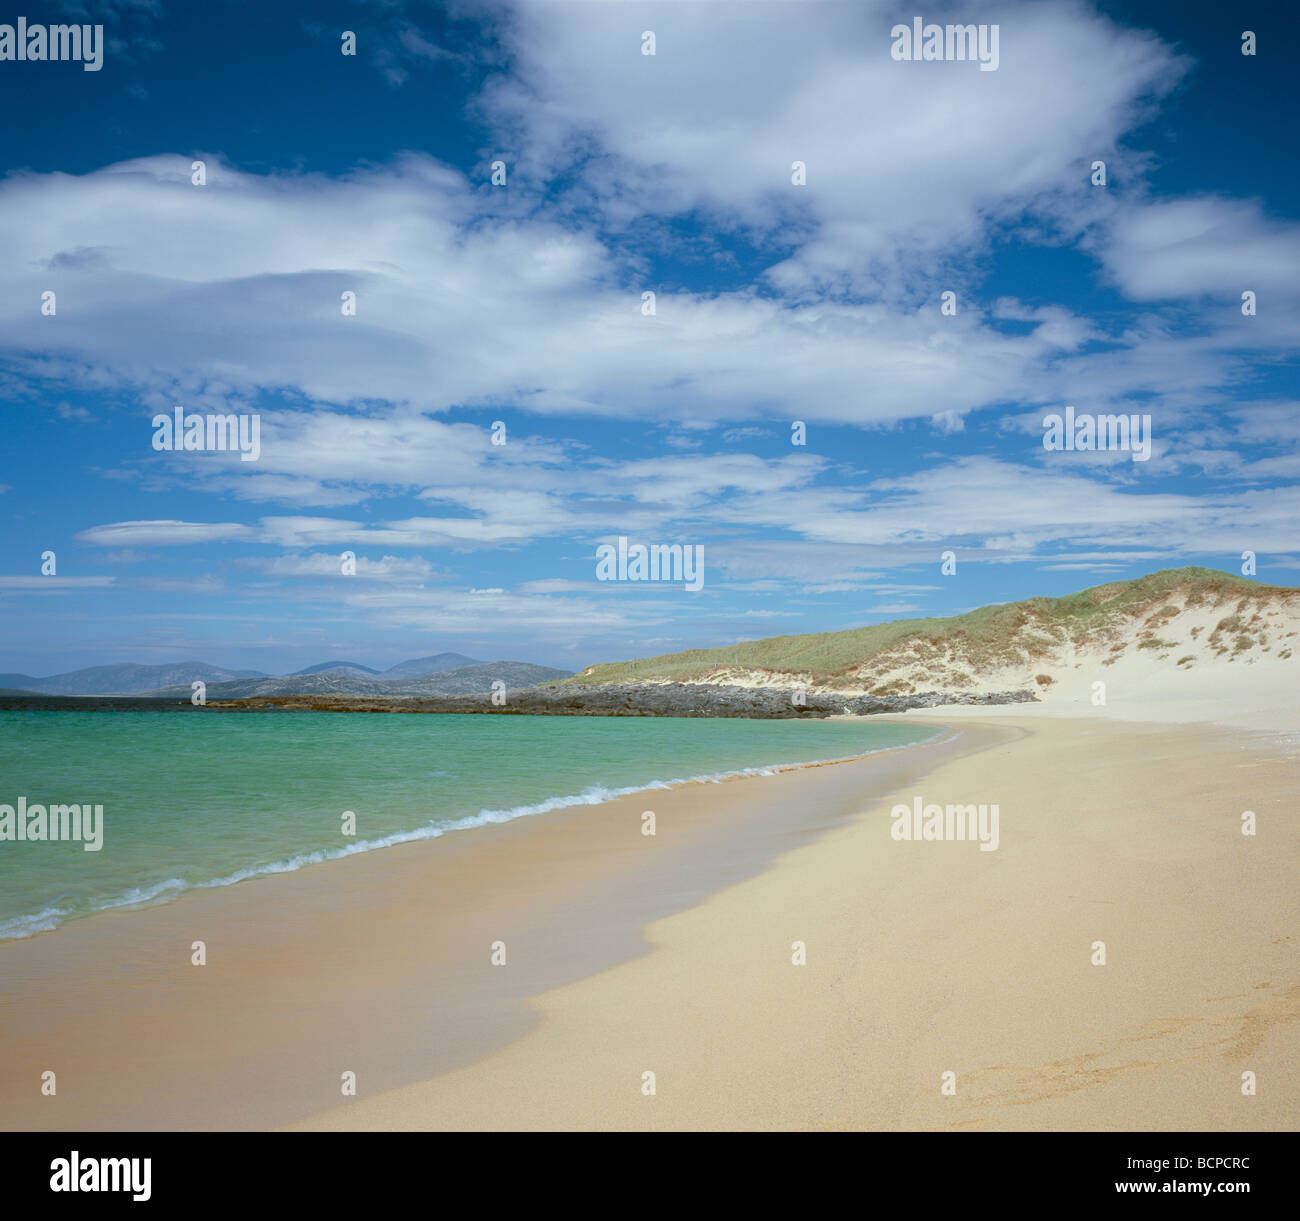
point(1208, 245)
point(400, 569)
point(49, 585)
point(906, 163)
point(164, 533)
point(470, 296)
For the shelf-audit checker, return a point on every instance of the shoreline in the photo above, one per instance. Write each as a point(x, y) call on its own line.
point(380, 961)
point(170, 890)
point(690, 700)
point(673, 955)
point(925, 959)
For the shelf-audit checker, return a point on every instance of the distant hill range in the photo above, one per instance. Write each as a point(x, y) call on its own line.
point(476, 679)
point(1178, 620)
point(439, 663)
point(440, 674)
point(419, 667)
point(124, 679)
point(352, 668)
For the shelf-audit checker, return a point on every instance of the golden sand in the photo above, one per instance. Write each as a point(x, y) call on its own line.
point(932, 958)
point(673, 955)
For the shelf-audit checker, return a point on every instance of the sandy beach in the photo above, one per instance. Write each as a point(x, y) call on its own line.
point(577, 567)
point(380, 964)
point(675, 955)
point(930, 958)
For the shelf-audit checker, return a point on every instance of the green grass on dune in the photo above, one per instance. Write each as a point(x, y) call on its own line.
point(983, 637)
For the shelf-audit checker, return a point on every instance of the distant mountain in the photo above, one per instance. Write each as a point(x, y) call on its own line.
point(465, 680)
point(353, 669)
point(477, 679)
point(441, 674)
point(17, 682)
point(431, 665)
point(125, 679)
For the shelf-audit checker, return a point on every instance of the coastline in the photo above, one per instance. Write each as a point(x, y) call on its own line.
point(378, 963)
point(932, 958)
point(673, 955)
point(139, 895)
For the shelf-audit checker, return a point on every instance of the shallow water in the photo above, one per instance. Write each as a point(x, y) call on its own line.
point(202, 798)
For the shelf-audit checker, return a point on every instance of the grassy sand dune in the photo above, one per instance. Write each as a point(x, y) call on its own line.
point(1176, 620)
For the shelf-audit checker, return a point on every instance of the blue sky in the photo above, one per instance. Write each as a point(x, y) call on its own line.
point(774, 302)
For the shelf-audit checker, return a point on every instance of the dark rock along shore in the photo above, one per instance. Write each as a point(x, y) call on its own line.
point(669, 699)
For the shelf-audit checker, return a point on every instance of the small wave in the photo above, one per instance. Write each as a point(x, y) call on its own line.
point(171, 888)
point(30, 925)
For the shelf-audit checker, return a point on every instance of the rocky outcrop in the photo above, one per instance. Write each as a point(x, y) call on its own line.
point(666, 699)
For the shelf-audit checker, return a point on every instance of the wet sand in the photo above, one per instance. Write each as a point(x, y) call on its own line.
point(672, 955)
point(931, 958)
point(381, 964)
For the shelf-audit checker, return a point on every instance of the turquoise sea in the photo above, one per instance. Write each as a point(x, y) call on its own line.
point(196, 798)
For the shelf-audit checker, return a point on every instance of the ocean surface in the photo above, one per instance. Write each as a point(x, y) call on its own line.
point(196, 798)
